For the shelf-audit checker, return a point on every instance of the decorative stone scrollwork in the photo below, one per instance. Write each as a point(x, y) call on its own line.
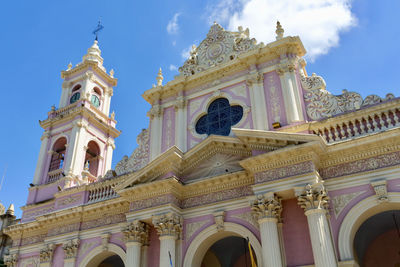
point(255, 79)
point(266, 206)
point(380, 189)
point(105, 240)
point(169, 224)
point(220, 46)
point(136, 231)
point(11, 260)
point(219, 218)
point(314, 197)
point(46, 253)
point(321, 103)
point(180, 102)
point(155, 111)
point(139, 157)
point(71, 248)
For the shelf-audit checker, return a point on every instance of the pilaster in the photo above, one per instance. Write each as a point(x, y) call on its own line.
point(40, 165)
point(155, 115)
point(181, 123)
point(257, 97)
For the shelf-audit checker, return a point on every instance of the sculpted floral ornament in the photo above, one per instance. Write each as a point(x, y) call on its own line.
point(266, 206)
point(320, 103)
point(46, 253)
point(139, 157)
point(11, 260)
point(314, 197)
point(169, 224)
point(136, 231)
point(220, 46)
point(71, 248)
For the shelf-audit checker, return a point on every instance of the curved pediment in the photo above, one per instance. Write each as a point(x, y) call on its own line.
point(220, 46)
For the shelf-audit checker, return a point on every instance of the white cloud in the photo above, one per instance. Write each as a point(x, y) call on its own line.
point(173, 68)
point(173, 27)
point(186, 52)
point(317, 22)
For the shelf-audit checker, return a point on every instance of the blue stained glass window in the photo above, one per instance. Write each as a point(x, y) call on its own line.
point(220, 117)
point(75, 97)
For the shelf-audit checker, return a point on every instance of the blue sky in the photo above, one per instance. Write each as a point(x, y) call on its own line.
point(354, 46)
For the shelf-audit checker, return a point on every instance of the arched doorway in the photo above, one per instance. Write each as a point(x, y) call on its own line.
point(377, 241)
point(112, 261)
point(202, 243)
point(99, 257)
point(231, 251)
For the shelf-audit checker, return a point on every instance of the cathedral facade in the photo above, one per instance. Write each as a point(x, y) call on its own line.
point(246, 156)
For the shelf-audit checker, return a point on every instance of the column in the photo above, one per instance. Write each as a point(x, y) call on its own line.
point(134, 233)
point(155, 115)
point(267, 209)
point(181, 123)
point(64, 95)
point(169, 227)
point(110, 146)
point(70, 251)
point(257, 96)
point(46, 255)
point(42, 158)
point(314, 201)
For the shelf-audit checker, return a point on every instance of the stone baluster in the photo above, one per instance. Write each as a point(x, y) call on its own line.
point(46, 255)
point(342, 132)
point(330, 135)
point(374, 123)
point(348, 129)
point(134, 233)
point(388, 119)
point(369, 128)
point(70, 251)
point(395, 118)
point(382, 121)
point(314, 201)
point(362, 127)
point(355, 128)
point(267, 209)
point(169, 228)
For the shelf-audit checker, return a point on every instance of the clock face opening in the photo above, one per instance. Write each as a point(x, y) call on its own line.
point(75, 97)
point(95, 101)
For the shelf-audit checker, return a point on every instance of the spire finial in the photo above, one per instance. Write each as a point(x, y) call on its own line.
point(279, 31)
point(10, 210)
point(97, 30)
point(112, 73)
point(69, 66)
point(159, 78)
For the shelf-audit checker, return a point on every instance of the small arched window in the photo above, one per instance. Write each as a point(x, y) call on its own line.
point(75, 97)
point(220, 117)
point(57, 158)
point(92, 157)
point(95, 98)
point(76, 88)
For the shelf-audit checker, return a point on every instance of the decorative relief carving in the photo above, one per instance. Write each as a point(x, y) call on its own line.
point(11, 260)
point(219, 218)
point(105, 240)
point(217, 196)
point(380, 188)
point(30, 262)
point(168, 130)
point(314, 197)
point(139, 157)
point(280, 173)
point(32, 239)
point(274, 99)
point(64, 229)
point(169, 224)
point(69, 200)
point(266, 206)
point(220, 46)
point(46, 253)
point(180, 102)
point(341, 201)
point(191, 228)
point(155, 111)
point(71, 248)
point(37, 212)
point(136, 231)
point(103, 221)
point(153, 202)
point(321, 103)
point(363, 165)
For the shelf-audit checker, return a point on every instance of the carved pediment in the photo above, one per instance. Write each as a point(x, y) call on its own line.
point(217, 164)
point(220, 46)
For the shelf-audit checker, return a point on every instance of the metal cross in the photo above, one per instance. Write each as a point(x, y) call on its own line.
point(98, 28)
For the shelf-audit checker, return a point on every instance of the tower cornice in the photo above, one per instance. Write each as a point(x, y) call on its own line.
point(89, 65)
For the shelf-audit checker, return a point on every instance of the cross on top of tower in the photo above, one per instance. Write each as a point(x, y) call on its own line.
point(98, 29)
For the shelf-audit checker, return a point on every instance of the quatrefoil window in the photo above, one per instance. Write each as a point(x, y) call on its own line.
point(220, 117)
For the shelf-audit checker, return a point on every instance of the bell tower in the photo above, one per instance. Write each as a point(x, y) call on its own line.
point(78, 139)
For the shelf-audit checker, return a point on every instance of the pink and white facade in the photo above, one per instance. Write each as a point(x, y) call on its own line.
point(242, 144)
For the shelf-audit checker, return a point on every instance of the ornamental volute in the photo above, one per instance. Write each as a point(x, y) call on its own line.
point(314, 197)
point(266, 206)
point(169, 224)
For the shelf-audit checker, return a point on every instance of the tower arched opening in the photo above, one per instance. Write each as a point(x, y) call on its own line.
point(92, 158)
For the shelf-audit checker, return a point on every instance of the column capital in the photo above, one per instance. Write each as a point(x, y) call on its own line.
point(71, 248)
point(180, 102)
point(169, 224)
point(314, 197)
point(46, 253)
point(11, 260)
point(136, 231)
point(155, 111)
point(254, 78)
point(266, 206)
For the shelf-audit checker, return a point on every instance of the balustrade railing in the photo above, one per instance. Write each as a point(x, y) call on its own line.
point(101, 191)
point(54, 175)
point(339, 129)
